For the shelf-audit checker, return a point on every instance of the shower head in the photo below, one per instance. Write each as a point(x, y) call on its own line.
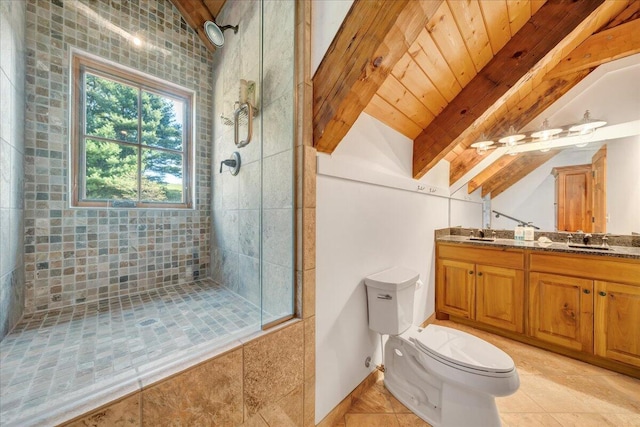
point(216, 33)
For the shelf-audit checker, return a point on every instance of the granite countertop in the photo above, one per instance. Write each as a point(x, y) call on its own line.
point(632, 252)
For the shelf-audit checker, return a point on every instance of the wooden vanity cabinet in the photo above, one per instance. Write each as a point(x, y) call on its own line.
point(584, 306)
point(586, 303)
point(456, 288)
point(617, 322)
point(561, 310)
point(489, 290)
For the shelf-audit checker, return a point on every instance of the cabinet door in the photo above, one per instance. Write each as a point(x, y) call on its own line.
point(456, 288)
point(561, 310)
point(617, 322)
point(500, 297)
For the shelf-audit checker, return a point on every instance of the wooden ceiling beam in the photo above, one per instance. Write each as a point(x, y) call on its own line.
point(600, 48)
point(539, 36)
point(629, 14)
point(477, 181)
point(528, 108)
point(195, 14)
point(524, 164)
point(371, 40)
point(215, 6)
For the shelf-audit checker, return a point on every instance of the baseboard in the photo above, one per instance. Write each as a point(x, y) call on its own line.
point(429, 320)
point(341, 409)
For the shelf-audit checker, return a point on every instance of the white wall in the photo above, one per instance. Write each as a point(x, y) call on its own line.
point(362, 229)
point(533, 197)
point(623, 186)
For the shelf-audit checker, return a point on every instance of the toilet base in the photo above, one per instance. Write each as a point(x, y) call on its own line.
point(441, 404)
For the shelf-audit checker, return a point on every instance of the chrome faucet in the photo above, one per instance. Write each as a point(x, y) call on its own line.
point(569, 237)
point(605, 242)
point(585, 238)
point(481, 233)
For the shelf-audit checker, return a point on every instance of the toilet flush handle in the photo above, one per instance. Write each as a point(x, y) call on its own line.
point(384, 296)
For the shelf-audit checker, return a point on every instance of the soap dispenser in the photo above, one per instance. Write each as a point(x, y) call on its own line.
point(518, 233)
point(528, 232)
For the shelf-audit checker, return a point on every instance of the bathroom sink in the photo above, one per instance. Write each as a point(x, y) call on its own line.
point(482, 239)
point(589, 247)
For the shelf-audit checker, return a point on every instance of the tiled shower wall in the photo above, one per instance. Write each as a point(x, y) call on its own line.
point(77, 255)
point(266, 175)
point(12, 23)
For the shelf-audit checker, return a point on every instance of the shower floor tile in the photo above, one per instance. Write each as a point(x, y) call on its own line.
point(58, 353)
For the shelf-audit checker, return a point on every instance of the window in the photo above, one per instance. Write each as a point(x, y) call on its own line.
point(131, 138)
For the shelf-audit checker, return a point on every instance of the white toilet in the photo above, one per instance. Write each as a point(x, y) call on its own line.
point(447, 377)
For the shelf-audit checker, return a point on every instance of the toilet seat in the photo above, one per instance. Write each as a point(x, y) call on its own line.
point(462, 351)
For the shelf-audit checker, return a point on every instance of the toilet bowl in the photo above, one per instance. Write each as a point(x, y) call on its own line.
point(447, 377)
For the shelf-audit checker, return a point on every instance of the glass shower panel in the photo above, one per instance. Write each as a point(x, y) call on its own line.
point(278, 214)
point(237, 199)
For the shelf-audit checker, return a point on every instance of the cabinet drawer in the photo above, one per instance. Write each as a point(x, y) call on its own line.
point(513, 258)
point(601, 268)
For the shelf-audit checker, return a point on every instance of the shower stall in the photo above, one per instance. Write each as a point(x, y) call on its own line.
point(252, 242)
point(116, 298)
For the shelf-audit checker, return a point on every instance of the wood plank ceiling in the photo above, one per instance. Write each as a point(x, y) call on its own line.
point(451, 70)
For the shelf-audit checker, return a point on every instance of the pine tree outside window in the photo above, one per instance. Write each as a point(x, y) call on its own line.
point(131, 138)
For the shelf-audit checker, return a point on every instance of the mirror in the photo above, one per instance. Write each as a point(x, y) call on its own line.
point(533, 198)
point(611, 92)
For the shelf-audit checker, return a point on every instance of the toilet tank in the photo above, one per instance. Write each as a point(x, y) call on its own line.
point(390, 300)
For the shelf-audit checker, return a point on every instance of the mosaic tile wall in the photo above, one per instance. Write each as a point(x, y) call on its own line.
point(267, 162)
point(81, 255)
point(12, 23)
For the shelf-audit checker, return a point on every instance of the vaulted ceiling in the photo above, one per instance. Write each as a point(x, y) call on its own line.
point(444, 72)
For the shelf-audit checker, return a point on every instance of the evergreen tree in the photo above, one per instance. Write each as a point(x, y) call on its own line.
point(112, 168)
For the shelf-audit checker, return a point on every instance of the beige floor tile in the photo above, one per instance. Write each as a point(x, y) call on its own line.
point(625, 420)
point(551, 396)
point(517, 402)
point(597, 420)
point(371, 420)
point(397, 406)
point(554, 391)
point(255, 421)
point(411, 420)
point(528, 420)
point(601, 393)
point(374, 400)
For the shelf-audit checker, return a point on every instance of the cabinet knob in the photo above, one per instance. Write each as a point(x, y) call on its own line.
point(480, 273)
point(602, 294)
point(586, 291)
point(470, 271)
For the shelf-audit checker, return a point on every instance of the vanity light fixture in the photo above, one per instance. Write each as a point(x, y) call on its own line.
point(512, 138)
point(546, 133)
point(587, 124)
point(545, 138)
point(482, 145)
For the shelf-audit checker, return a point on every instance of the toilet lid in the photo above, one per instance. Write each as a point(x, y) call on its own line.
point(463, 349)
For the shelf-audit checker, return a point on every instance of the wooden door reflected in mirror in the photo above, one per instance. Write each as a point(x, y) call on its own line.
point(581, 195)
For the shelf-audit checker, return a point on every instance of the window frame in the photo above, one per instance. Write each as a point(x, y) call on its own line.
point(80, 65)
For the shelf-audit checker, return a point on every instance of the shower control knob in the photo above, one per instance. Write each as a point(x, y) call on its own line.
point(233, 163)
